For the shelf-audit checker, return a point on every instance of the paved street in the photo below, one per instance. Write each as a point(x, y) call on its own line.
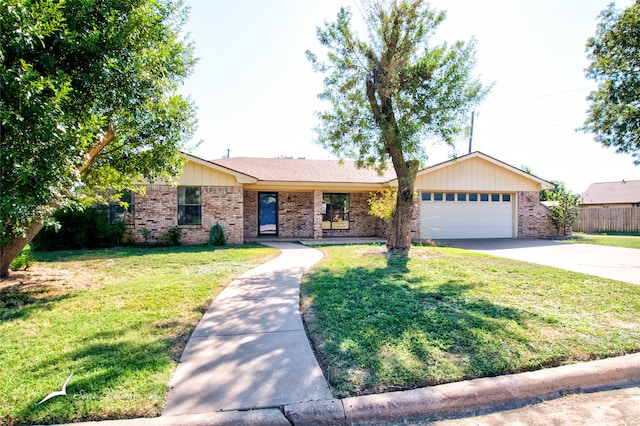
point(612, 408)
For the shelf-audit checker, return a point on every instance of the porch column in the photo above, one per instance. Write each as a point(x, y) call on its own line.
point(317, 215)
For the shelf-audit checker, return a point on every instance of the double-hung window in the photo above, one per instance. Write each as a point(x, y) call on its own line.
point(189, 205)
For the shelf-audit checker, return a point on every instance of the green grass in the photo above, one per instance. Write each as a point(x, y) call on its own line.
point(628, 241)
point(118, 319)
point(445, 315)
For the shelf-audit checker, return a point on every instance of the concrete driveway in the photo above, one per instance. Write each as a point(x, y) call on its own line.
point(617, 263)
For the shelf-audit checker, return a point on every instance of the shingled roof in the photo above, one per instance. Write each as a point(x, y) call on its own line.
point(620, 192)
point(302, 170)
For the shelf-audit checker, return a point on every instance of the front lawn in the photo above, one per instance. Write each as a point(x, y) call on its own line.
point(445, 315)
point(628, 241)
point(117, 319)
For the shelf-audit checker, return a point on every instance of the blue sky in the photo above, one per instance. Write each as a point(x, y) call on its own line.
point(257, 94)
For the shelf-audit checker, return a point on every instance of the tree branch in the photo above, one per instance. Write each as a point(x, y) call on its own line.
point(106, 138)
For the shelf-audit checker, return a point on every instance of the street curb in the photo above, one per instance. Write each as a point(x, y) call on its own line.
point(476, 394)
point(432, 402)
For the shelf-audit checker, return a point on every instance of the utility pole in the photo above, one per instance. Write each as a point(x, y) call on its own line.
point(473, 113)
point(228, 153)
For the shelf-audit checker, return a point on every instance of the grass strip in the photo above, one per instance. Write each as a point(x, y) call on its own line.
point(117, 319)
point(444, 315)
point(607, 240)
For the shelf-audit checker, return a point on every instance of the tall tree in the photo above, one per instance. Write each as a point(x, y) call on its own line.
point(88, 102)
point(614, 52)
point(391, 91)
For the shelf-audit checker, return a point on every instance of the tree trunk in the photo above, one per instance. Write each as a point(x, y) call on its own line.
point(399, 238)
point(12, 249)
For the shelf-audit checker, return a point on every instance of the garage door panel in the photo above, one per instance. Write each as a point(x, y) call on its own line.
point(466, 219)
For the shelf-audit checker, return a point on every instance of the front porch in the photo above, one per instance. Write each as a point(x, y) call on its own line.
point(308, 215)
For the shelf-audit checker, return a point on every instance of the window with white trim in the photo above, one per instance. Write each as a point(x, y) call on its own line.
point(189, 205)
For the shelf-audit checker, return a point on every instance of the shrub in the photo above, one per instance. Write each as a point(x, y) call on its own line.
point(382, 204)
point(23, 261)
point(216, 235)
point(565, 211)
point(146, 234)
point(80, 229)
point(173, 235)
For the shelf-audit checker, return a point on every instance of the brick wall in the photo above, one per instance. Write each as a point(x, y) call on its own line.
point(157, 210)
point(317, 214)
point(533, 217)
point(250, 214)
point(295, 214)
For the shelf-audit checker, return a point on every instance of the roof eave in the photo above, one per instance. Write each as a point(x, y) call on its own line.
point(373, 186)
point(240, 177)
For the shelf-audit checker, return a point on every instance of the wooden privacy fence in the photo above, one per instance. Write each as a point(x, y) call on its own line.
point(601, 219)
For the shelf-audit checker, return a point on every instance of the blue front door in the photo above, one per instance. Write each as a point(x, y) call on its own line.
point(268, 213)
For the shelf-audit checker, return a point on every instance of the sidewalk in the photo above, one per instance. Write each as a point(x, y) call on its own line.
point(250, 349)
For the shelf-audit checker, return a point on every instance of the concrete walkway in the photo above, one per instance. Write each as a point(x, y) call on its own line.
point(250, 349)
point(617, 263)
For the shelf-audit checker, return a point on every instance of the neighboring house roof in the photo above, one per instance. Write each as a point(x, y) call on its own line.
point(302, 170)
point(620, 192)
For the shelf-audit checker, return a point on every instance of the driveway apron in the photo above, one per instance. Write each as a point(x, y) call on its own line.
point(250, 349)
point(617, 263)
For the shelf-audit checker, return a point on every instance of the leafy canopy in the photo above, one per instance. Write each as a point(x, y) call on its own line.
point(395, 88)
point(614, 52)
point(74, 72)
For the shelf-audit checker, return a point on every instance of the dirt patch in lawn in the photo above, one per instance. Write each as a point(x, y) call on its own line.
point(41, 283)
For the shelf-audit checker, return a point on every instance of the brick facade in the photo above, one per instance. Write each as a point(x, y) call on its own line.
point(157, 210)
point(317, 215)
point(300, 216)
point(533, 217)
point(250, 214)
point(295, 214)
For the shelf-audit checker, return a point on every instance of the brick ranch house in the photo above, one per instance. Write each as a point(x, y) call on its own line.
point(473, 196)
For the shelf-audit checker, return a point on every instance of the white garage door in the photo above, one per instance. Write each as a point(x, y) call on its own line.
point(448, 215)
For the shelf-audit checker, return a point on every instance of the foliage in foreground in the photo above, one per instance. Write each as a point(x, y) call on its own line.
point(89, 105)
point(118, 319)
point(614, 112)
point(445, 315)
